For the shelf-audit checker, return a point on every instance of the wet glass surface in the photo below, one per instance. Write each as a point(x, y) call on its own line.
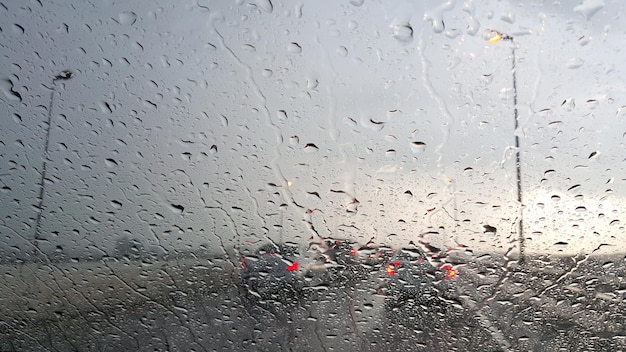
point(312, 176)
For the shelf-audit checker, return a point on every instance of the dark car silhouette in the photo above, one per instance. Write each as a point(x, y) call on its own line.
point(418, 290)
point(405, 276)
point(336, 262)
point(410, 276)
point(273, 273)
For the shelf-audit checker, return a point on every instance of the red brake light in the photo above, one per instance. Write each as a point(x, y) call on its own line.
point(353, 251)
point(450, 271)
point(293, 266)
point(391, 268)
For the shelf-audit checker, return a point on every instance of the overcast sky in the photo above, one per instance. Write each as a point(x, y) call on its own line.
point(211, 123)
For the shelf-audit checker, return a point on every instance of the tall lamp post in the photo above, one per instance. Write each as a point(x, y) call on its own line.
point(63, 76)
point(494, 36)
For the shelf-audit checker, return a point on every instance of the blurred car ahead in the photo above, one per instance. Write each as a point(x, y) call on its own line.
point(418, 291)
point(273, 273)
point(279, 271)
point(410, 276)
point(335, 263)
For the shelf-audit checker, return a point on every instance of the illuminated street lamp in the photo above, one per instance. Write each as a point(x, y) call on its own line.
point(494, 36)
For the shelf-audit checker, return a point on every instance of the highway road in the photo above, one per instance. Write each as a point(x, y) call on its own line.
point(198, 304)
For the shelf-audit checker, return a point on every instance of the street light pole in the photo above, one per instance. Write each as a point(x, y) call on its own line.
point(495, 36)
point(518, 163)
point(63, 76)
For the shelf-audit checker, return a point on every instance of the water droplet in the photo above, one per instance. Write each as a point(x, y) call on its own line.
point(473, 26)
point(592, 103)
point(17, 29)
point(402, 32)
point(574, 63)
point(357, 2)
point(417, 146)
point(116, 204)
point(110, 162)
point(568, 104)
point(490, 229)
point(63, 28)
point(127, 18)
point(588, 8)
point(573, 187)
point(310, 147)
point(177, 208)
point(105, 107)
point(149, 104)
point(437, 24)
point(509, 18)
point(584, 40)
point(342, 51)
point(294, 48)
point(298, 11)
point(505, 93)
point(248, 47)
point(545, 112)
point(435, 16)
point(281, 114)
point(265, 5)
point(64, 75)
point(312, 83)
point(490, 35)
point(607, 265)
point(6, 85)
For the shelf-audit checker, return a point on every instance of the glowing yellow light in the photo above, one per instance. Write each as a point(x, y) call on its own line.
point(289, 183)
point(496, 37)
point(451, 274)
point(390, 270)
point(450, 271)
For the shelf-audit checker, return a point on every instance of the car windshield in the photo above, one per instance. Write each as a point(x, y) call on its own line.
point(340, 175)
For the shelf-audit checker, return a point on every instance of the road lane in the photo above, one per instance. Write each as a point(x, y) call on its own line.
point(573, 303)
